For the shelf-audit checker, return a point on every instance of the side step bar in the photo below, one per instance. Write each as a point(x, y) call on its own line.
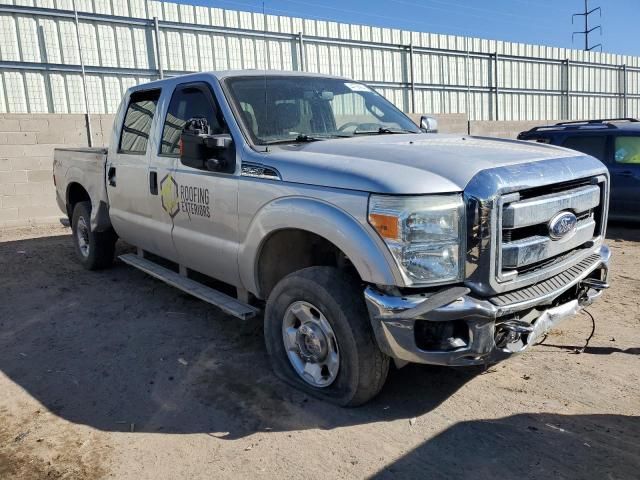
point(224, 302)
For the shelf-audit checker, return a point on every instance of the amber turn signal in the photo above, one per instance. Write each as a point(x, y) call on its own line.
point(386, 225)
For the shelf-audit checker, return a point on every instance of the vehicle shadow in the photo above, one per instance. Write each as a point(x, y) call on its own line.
point(118, 350)
point(527, 446)
point(619, 231)
point(596, 350)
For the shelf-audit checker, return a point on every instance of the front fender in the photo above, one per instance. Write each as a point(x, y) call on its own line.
point(365, 250)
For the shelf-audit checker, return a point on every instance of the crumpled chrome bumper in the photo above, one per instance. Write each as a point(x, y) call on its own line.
point(395, 325)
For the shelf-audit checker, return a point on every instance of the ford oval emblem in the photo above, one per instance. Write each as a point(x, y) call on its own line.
point(562, 224)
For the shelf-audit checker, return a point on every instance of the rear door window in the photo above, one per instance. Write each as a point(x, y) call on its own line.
point(627, 150)
point(134, 137)
point(595, 145)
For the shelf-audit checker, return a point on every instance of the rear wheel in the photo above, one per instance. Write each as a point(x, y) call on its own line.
point(319, 337)
point(95, 250)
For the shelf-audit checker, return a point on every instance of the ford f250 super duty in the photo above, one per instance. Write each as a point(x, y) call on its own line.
point(365, 238)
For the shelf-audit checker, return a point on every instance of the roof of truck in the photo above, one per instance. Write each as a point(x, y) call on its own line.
point(259, 73)
point(222, 74)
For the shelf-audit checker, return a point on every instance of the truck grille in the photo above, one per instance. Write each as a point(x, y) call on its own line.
point(526, 244)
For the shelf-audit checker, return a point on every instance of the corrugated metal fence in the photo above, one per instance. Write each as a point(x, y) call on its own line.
point(52, 60)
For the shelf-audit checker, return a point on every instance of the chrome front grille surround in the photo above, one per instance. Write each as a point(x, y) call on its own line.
point(525, 242)
point(510, 245)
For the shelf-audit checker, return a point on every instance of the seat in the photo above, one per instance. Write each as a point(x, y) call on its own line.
point(287, 116)
point(250, 119)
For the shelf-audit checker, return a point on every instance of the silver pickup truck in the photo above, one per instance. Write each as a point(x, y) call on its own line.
point(365, 237)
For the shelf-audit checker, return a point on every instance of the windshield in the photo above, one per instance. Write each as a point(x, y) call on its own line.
point(301, 108)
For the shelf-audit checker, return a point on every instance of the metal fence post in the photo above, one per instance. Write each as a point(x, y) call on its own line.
point(567, 79)
point(412, 80)
point(467, 80)
point(496, 90)
point(303, 58)
point(156, 27)
point(84, 78)
point(624, 90)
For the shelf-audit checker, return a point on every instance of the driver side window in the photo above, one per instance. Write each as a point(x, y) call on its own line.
point(187, 102)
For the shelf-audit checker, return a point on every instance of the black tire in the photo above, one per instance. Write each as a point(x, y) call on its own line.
point(101, 245)
point(363, 367)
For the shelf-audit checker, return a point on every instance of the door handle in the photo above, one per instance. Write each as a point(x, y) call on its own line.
point(625, 173)
point(153, 183)
point(111, 175)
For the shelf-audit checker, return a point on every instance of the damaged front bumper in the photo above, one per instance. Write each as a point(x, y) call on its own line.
point(463, 329)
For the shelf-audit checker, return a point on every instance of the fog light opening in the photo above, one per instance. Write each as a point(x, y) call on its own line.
point(441, 336)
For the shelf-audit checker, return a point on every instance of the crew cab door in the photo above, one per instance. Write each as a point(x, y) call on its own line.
point(206, 213)
point(128, 166)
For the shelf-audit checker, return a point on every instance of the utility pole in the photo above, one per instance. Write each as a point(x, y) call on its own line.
point(587, 30)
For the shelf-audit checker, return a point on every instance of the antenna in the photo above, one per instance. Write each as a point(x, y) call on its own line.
point(587, 30)
point(266, 65)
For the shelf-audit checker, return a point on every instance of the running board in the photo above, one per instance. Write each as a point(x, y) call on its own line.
point(224, 302)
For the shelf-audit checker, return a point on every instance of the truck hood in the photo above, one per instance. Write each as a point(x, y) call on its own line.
point(403, 164)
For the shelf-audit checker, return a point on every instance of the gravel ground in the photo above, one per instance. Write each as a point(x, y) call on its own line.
point(116, 375)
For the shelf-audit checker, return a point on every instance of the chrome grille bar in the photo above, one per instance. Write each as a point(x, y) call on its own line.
point(537, 210)
point(534, 249)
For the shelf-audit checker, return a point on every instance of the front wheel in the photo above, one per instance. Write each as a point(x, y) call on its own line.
point(319, 337)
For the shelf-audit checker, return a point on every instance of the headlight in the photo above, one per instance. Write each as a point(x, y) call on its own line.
point(424, 235)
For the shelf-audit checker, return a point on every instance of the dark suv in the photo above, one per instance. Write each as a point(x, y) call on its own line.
point(616, 142)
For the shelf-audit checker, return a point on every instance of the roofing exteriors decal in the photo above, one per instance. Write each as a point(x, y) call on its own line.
point(176, 198)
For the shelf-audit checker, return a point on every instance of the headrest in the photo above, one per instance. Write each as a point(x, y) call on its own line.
point(287, 115)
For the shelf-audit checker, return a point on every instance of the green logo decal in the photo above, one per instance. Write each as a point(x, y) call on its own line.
point(169, 195)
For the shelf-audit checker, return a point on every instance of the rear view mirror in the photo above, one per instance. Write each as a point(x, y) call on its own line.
point(428, 124)
point(324, 95)
point(200, 149)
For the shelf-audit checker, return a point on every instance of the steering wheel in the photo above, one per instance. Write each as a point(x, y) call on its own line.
point(359, 126)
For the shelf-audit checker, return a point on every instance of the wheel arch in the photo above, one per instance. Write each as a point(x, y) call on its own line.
point(84, 186)
point(324, 223)
point(75, 193)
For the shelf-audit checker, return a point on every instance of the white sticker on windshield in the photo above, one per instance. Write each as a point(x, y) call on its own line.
point(357, 87)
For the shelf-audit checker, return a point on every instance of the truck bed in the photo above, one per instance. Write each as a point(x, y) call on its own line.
point(81, 172)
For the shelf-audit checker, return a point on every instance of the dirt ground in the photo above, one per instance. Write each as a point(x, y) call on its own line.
point(116, 375)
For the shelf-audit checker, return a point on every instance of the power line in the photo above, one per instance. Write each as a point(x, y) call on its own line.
point(587, 30)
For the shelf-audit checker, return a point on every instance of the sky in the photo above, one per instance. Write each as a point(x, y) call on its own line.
point(545, 22)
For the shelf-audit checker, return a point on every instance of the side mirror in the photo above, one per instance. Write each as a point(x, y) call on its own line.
point(428, 124)
point(200, 149)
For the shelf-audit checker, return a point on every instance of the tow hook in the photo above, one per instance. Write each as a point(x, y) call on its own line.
point(594, 283)
point(511, 331)
point(589, 289)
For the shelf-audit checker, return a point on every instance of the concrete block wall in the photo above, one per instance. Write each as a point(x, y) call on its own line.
point(505, 129)
point(457, 123)
point(447, 122)
point(27, 194)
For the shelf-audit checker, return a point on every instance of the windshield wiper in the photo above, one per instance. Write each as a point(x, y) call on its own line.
point(383, 131)
point(300, 139)
point(395, 130)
